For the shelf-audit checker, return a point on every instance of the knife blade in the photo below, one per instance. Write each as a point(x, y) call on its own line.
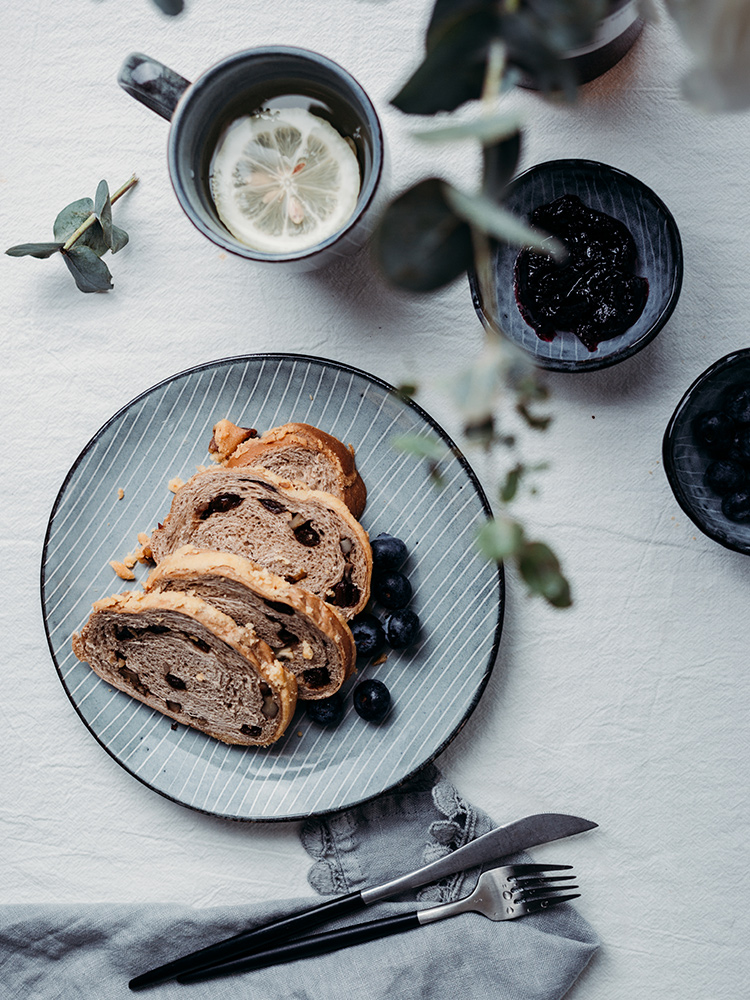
point(530, 831)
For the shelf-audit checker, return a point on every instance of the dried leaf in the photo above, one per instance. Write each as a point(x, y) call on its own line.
point(420, 243)
point(72, 217)
point(40, 250)
point(89, 270)
point(119, 238)
point(103, 211)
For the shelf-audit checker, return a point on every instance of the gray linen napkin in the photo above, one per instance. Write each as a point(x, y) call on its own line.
point(62, 952)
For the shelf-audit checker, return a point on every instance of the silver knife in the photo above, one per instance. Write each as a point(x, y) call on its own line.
point(509, 839)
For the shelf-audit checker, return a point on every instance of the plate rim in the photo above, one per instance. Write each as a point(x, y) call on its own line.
point(668, 441)
point(597, 364)
point(456, 452)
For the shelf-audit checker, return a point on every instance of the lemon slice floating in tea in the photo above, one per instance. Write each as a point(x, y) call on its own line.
point(284, 180)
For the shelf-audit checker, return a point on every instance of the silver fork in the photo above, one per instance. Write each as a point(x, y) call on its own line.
point(500, 894)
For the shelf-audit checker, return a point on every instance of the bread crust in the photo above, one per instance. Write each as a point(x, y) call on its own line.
point(272, 542)
point(216, 659)
point(210, 574)
point(273, 447)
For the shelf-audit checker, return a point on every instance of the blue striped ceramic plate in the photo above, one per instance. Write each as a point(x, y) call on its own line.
point(459, 596)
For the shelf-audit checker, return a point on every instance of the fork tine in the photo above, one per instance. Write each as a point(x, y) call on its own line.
point(536, 905)
point(529, 895)
point(529, 881)
point(536, 869)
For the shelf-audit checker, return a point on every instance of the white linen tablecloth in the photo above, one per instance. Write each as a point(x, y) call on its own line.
point(630, 709)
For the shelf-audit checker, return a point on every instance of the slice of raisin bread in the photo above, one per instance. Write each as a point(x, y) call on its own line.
point(190, 661)
point(304, 536)
point(297, 452)
point(311, 638)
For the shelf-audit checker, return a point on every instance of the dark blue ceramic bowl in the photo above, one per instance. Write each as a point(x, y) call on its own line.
point(604, 189)
point(685, 462)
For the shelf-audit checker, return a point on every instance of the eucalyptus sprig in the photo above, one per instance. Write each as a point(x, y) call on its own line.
point(434, 232)
point(83, 233)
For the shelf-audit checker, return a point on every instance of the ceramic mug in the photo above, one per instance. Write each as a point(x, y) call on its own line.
point(241, 84)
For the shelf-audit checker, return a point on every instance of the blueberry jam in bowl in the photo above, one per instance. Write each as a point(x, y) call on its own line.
point(706, 454)
point(617, 284)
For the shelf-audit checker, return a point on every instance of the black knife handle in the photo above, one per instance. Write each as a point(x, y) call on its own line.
point(317, 944)
point(249, 941)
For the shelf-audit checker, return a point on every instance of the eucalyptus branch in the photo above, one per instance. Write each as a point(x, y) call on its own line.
point(84, 232)
point(87, 223)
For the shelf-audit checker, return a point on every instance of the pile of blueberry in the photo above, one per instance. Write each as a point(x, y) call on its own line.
point(397, 628)
point(723, 434)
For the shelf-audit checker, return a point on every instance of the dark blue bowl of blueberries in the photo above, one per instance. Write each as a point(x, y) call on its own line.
point(706, 451)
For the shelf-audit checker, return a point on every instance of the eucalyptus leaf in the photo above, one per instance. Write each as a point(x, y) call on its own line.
point(421, 447)
point(72, 217)
point(500, 538)
point(487, 130)
point(89, 270)
point(447, 14)
point(40, 250)
point(528, 48)
point(103, 211)
point(119, 238)
point(494, 220)
point(420, 243)
point(510, 487)
point(541, 572)
point(452, 71)
point(170, 7)
point(500, 161)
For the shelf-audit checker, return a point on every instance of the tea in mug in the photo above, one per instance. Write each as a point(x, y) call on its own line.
point(283, 177)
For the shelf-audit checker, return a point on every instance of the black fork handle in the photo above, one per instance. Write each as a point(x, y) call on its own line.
point(248, 941)
point(317, 944)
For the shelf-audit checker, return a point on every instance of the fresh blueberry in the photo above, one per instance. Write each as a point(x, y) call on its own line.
point(736, 507)
point(387, 552)
point(714, 431)
point(326, 711)
point(738, 405)
point(724, 476)
point(369, 637)
point(740, 450)
point(402, 628)
point(392, 589)
point(372, 699)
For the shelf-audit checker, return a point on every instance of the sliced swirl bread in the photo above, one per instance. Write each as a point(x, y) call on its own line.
point(297, 452)
point(308, 636)
point(304, 536)
point(192, 663)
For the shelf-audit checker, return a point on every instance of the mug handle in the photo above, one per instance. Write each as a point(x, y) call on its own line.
point(152, 83)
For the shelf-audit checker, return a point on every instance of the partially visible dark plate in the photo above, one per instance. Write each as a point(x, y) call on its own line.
point(459, 595)
point(612, 191)
point(685, 463)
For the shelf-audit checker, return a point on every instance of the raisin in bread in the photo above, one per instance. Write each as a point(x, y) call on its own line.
point(297, 452)
point(310, 637)
point(304, 536)
point(190, 661)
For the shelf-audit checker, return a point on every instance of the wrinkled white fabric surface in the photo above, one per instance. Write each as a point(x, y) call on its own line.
point(630, 709)
point(91, 951)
